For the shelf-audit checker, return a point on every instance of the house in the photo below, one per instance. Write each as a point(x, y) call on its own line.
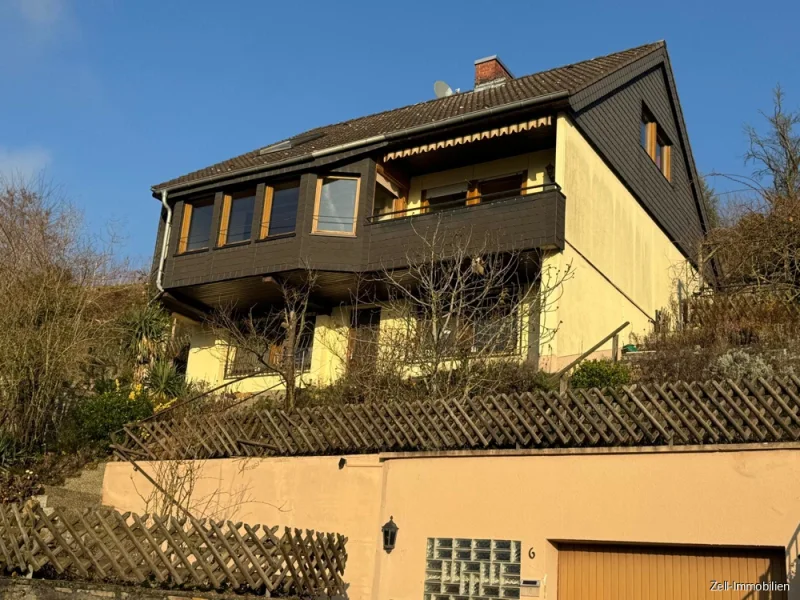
point(584, 168)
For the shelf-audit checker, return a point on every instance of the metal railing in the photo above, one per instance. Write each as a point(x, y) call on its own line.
point(245, 362)
point(464, 203)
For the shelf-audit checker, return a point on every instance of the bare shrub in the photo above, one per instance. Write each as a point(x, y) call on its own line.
point(52, 285)
point(272, 338)
point(760, 323)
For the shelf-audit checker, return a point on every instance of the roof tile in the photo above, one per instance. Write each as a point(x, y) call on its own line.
point(570, 78)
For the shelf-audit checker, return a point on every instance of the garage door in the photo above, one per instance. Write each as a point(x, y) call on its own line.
point(604, 572)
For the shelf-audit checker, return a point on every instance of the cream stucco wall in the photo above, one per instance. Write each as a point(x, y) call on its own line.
point(208, 354)
point(623, 266)
point(680, 496)
point(308, 493)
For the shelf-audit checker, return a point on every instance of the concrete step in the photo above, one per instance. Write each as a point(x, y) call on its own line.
point(59, 497)
point(42, 501)
point(90, 480)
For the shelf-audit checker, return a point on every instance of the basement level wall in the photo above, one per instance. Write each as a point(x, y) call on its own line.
point(734, 496)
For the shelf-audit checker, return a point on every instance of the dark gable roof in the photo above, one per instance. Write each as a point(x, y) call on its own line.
point(570, 78)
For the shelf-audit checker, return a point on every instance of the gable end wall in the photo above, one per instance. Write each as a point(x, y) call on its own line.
point(608, 115)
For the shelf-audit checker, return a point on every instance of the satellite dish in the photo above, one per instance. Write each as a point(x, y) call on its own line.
point(441, 89)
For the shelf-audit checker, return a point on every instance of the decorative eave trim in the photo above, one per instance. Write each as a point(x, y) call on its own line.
point(472, 137)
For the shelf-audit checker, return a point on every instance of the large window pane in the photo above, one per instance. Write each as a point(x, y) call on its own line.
point(262, 353)
point(336, 205)
point(240, 220)
point(502, 187)
point(283, 215)
point(199, 227)
point(643, 133)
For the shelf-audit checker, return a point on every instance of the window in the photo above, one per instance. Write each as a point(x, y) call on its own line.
point(251, 360)
point(472, 568)
point(505, 186)
point(196, 225)
point(336, 205)
point(655, 143)
point(237, 217)
point(280, 209)
point(484, 325)
point(644, 131)
point(445, 196)
point(469, 193)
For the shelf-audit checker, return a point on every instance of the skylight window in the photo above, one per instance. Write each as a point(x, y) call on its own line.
point(294, 142)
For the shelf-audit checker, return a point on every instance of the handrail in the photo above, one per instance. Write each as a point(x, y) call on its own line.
point(477, 200)
point(566, 369)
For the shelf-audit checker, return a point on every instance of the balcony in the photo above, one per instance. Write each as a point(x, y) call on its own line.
point(527, 219)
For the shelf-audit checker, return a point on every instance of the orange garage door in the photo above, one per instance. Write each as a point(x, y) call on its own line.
point(605, 572)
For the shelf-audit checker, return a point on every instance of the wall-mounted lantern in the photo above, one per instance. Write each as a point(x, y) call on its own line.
point(551, 172)
point(389, 531)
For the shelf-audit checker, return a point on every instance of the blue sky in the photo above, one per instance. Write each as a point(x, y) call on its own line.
point(110, 97)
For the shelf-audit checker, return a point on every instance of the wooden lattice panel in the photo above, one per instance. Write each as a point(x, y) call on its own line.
point(714, 412)
point(106, 545)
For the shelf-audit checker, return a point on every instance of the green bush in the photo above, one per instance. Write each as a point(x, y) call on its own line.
point(600, 374)
point(510, 377)
point(95, 418)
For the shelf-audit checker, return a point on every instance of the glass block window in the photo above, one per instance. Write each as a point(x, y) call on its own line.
point(459, 568)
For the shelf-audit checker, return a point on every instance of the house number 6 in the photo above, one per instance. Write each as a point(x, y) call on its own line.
point(531, 553)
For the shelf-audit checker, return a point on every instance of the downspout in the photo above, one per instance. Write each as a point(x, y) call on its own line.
point(164, 243)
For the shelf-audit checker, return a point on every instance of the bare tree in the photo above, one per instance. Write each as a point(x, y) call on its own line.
point(53, 280)
point(273, 338)
point(759, 246)
point(776, 154)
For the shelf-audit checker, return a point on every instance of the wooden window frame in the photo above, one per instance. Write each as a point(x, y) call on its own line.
point(318, 195)
point(400, 203)
point(274, 354)
point(469, 198)
point(666, 158)
point(477, 185)
point(225, 216)
point(186, 225)
point(474, 195)
point(266, 214)
point(654, 134)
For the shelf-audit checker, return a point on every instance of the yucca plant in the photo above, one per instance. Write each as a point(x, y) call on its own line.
point(163, 382)
point(147, 330)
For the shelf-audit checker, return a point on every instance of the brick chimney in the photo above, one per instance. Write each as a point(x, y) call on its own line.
point(489, 72)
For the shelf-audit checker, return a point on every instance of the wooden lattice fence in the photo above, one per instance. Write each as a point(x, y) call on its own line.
point(714, 412)
point(105, 545)
point(763, 308)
